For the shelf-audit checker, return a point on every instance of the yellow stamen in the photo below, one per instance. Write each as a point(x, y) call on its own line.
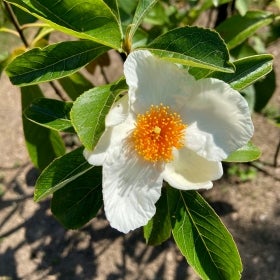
point(157, 132)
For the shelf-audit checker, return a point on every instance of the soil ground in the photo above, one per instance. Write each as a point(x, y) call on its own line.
point(33, 245)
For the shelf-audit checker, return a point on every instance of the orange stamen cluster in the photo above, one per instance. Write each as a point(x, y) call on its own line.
point(157, 132)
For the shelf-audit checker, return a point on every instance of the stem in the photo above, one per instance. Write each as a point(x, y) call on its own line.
point(16, 23)
point(276, 154)
point(104, 75)
point(25, 42)
point(56, 90)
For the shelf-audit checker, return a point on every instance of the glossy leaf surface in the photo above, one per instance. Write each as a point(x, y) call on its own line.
point(61, 172)
point(79, 201)
point(247, 153)
point(90, 109)
point(202, 237)
point(43, 144)
point(248, 71)
point(186, 45)
point(158, 228)
point(87, 19)
point(237, 29)
point(50, 113)
point(52, 62)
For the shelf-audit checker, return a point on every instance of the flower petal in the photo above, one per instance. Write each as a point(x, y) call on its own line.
point(131, 187)
point(112, 136)
point(189, 171)
point(218, 117)
point(118, 112)
point(153, 81)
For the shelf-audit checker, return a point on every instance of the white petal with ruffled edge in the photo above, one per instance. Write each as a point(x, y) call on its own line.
point(153, 81)
point(189, 171)
point(219, 120)
point(131, 187)
point(112, 136)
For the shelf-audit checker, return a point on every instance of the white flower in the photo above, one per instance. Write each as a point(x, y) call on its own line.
point(168, 127)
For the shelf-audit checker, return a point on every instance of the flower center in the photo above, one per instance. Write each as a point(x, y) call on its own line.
point(157, 132)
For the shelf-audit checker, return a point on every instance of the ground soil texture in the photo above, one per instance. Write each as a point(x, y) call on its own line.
point(33, 245)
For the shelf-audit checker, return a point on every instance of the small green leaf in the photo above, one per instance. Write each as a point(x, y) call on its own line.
point(61, 172)
point(75, 85)
point(80, 200)
point(50, 113)
point(43, 144)
point(52, 62)
point(90, 109)
point(202, 237)
point(248, 71)
point(86, 19)
point(237, 28)
point(186, 45)
point(142, 9)
point(247, 153)
point(158, 228)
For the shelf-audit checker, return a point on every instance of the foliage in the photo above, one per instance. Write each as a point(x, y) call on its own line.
point(232, 50)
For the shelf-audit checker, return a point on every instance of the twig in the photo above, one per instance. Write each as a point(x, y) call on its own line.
point(16, 23)
point(104, 75)
point(276, 154)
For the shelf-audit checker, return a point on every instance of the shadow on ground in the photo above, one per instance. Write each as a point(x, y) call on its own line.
point(99, 252)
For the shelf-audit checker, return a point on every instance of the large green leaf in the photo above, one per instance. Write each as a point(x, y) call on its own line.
point(79, 201)
point(43, 144)
point(142, 9)
point(61, 172)
point(247, 153)
point(87, 19)
point(248, 71)
point(52, 62)
point(75, 85)
point(158, 228)
point(50, 113)
point(187, 46)
point(202, 237)
point(237, 28)
point(90, 109)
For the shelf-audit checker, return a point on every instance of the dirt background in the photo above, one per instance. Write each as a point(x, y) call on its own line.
point(33, 245)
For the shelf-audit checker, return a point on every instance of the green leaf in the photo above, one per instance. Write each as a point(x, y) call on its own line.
point(242, 6)
point(43, 144)
point(237, 28)
point(75, 85)
point(248, 71)
point(86, 19)
point(61, 172)
point(80, 200)
point(158, 228)
point(90, 109)
point(247, 153)
point(264, 89)
point(52, 62)
point(142, 9)
point(186, 45)
point(202, 237)
point(50, 113)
